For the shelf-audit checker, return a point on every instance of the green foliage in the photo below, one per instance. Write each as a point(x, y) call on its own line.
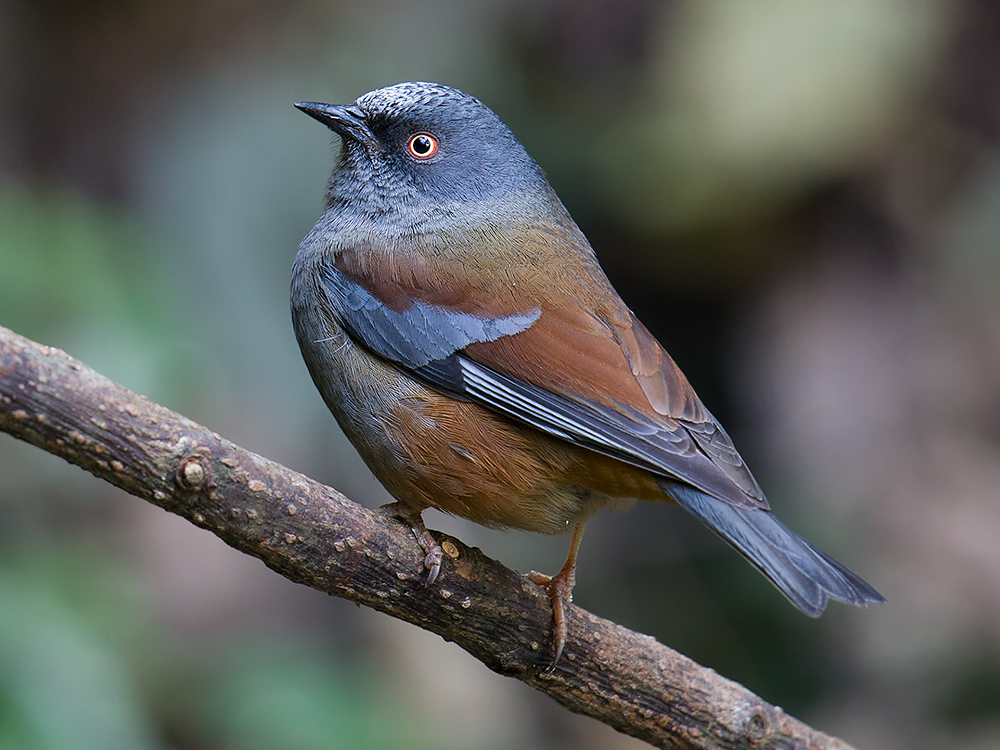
point(64, 259)
point(82, 276)
point(302, 697)
point(62, 682)
point(83, 666)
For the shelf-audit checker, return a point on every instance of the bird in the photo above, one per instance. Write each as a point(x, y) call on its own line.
point(458, 325)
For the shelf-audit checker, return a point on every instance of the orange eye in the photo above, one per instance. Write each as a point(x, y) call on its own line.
point(422, 146)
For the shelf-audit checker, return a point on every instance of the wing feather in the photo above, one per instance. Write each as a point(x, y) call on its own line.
point(567, 358)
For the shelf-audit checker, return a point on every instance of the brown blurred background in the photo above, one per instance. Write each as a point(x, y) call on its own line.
point(800, 198)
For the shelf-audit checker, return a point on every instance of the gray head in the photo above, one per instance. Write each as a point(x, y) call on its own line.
point(423, 143)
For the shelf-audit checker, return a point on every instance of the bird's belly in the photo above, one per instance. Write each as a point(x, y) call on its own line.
point(432, 450)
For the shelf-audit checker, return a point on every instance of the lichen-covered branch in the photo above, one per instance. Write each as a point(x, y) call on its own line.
point(314, 535)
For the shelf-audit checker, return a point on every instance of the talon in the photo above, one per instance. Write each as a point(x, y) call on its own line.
point(433, 563)
point(560, 590)
point(539, 579)
point(411, 517)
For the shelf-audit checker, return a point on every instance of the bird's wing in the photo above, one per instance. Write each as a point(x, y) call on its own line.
point(583, 371)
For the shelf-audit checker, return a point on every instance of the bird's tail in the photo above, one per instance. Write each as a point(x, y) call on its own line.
point(804, 574)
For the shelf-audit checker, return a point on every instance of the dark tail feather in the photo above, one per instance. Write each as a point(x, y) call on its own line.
point(804, 574)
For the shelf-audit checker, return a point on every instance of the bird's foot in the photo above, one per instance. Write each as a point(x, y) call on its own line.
point(433, 551)
point(560, 590)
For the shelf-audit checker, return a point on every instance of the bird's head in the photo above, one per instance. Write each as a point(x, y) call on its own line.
point(421, 144)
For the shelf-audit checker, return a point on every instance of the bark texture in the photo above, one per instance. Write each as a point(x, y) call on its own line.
point(312, 534)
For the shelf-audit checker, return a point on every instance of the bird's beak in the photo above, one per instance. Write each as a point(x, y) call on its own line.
point(347, 121)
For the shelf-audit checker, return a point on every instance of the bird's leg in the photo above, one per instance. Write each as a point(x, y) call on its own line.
point(409, 516)
point(560, 588)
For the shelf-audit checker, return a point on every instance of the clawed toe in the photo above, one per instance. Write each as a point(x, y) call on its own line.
point(433, 550)
point(539, 579)
point(560, 590)
point(433, 562)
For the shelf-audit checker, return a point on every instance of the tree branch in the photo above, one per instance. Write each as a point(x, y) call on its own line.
point(312, 534)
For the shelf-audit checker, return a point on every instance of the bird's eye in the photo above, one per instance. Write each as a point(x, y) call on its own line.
point(422, 146)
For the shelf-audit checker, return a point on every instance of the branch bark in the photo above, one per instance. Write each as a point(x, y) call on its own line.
point(312, 534)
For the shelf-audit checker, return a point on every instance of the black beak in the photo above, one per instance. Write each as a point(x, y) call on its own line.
point(347, 121)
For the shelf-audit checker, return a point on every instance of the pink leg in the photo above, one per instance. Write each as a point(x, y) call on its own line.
point(560, 588)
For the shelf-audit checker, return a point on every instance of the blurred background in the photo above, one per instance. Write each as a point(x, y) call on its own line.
point(800, 198)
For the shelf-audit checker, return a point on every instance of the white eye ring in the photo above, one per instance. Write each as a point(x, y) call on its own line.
point(422, 146)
